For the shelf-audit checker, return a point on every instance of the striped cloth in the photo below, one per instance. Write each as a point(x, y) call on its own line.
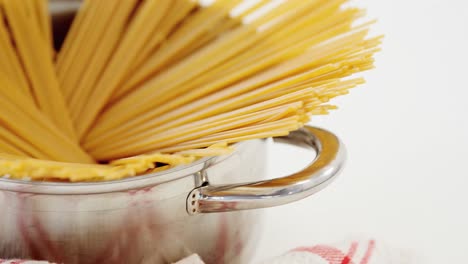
point(367, 251)
point(364, 251)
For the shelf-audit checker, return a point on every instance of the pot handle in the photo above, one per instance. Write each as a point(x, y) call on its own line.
point(325, 166)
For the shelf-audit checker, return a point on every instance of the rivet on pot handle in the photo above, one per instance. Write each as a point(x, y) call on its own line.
point(326, 165)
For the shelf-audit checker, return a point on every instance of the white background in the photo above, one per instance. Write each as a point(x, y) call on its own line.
point(406, 130)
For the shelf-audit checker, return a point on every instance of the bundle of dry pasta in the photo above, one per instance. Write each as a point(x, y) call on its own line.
point(143, 82)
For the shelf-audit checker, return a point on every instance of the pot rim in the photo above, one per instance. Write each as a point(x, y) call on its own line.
point(49, 187)
point(125, 184)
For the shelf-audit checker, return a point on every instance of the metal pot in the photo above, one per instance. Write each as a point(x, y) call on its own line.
point(161, 217)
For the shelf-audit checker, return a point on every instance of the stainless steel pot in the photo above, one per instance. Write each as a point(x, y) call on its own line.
point(161, 217)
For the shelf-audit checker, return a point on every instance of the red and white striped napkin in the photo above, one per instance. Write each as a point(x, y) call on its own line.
point(364, 251)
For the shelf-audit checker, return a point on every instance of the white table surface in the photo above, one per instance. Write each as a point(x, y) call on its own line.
point(406, 130)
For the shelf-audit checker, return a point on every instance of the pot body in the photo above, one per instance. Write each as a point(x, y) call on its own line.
point(146, 221)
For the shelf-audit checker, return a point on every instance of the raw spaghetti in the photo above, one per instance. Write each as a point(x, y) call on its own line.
point(144, 85)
